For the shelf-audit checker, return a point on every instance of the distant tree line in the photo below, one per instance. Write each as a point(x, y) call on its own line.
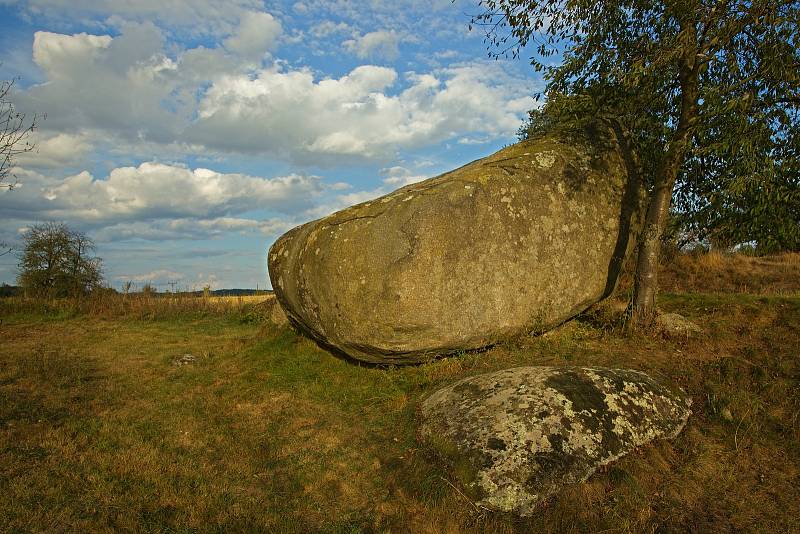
point(9, 291)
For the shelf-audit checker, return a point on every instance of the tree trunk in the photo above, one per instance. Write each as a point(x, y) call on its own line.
point(645, 286)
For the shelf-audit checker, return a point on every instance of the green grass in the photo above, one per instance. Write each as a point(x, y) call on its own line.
point(100, 430)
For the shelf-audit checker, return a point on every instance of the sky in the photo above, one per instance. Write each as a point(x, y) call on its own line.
point(184, 137)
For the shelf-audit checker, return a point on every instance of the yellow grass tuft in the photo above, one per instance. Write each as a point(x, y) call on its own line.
point(713, 259)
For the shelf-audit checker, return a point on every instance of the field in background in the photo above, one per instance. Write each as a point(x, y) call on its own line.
point(715, 271)
point(238, 301)
point(134, 305)
point(105, 424)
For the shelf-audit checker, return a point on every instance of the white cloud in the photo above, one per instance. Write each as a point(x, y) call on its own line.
point(155, 191)
point(201, 80)
point(289, 113)
point(192, 17)
point(168, 280)
point(392, 178)
point(226, 225)
point(339, 186)
point(300, 7)
point(400, 176)
point(377, 44)
point(340, 202)
point(328, 27)
point(55, 52)
point(256, 34)
point(96, 82)
point(159, 275)
point(56, 151)
point(191, 228)
point(208, 101)
point(446, 54)
point(404, 16)
point(474, 140)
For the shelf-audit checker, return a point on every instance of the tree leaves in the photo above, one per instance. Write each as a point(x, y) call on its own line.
point(623, 59)
point(55, 262)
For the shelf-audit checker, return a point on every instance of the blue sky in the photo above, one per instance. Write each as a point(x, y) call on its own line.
point(185, 136)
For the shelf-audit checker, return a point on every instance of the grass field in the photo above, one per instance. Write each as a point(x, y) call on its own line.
point(103, 428)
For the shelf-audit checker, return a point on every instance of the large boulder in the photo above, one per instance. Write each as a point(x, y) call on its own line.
point(516, 437)
point(516, 242)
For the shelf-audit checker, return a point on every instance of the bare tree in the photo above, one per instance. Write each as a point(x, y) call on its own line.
point(15, 132)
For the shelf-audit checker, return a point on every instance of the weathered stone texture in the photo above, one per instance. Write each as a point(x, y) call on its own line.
point(516, 437)
point(676, 325)
point(519, 241)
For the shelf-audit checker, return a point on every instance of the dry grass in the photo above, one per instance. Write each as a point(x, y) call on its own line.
point(238, 301)
point(100, 430)
point(135, 305)
point(719, 272)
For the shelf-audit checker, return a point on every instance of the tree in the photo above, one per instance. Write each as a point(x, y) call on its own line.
point(15, 134)
point(733, 192)
point(56, 262)
point(738, 185)
point(658, 72)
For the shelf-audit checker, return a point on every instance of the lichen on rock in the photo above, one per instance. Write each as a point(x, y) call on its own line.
point(519, 435)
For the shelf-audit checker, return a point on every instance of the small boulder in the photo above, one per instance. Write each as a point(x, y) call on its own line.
point(517, 436)
point(676, 325)
point(514, 243)
point(273, 311)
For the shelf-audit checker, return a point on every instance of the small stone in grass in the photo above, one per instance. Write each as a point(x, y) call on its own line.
point(186, 359)
point(676, 325)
